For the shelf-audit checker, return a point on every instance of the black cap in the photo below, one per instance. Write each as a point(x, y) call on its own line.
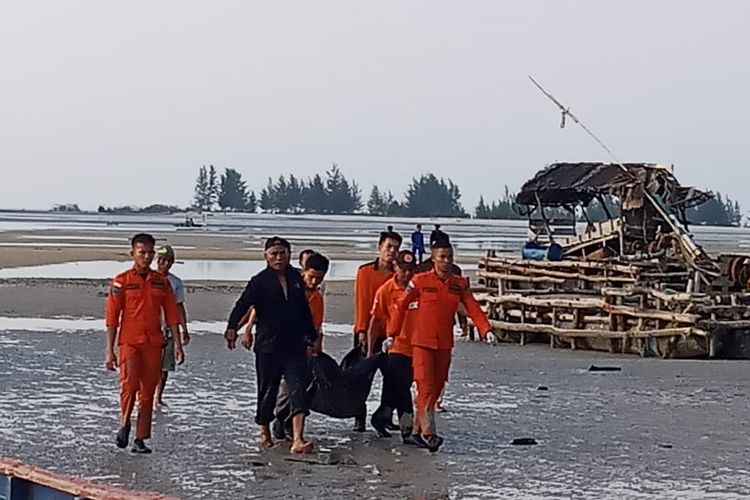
point(277, 241)
point(406, 260)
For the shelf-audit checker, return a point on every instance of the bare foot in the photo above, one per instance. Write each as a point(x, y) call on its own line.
point(439, 408)
point(158, 404)
point(302, 447)
point(265, 438)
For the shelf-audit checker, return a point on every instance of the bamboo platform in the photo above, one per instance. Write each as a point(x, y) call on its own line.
point(651, 308)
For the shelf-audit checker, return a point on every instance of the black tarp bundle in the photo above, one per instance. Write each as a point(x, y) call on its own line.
point(341, 390)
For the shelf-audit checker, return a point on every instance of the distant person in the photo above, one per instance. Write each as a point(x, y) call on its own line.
point(437, 234)
point(389, 228)
point(417, 243)
point(370, 277)
point(285, 332)
point(135, 303)
point(438, 292)
point(164, 261)
point(397, 374)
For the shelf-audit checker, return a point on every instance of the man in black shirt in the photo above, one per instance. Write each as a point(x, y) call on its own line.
point(437, 234)
point(284, 334)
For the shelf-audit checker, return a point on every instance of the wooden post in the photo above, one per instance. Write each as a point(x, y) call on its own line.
point(552, 337)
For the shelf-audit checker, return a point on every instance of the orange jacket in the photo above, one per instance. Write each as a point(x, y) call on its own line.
point(438, 302)
point(368, 280)
point(384, 309)
point(135, 304)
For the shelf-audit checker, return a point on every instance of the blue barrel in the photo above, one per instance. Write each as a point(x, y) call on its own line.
point(533, 251)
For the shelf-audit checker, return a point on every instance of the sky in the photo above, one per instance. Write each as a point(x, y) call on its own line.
point(120, 102)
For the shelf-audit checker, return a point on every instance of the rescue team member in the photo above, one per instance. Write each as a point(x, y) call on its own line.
point(370, 277)
point(133, 313)
point(439, 292)
point(284, 333)
point(164, 262)
point(397, 375)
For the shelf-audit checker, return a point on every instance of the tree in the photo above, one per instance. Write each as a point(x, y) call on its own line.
point(341, 196)
point(252, 202)
point(314, 196)
point(429, 196)
point(281, 198)
point(268, 197)
point(376, 204)
point(233, 193)
point(717, 211)
point(213, 187)
point(294, 194)
point(202, 197)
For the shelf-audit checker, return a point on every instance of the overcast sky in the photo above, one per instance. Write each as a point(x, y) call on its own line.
point(120, 102)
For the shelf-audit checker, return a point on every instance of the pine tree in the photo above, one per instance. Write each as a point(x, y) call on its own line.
point(202, 192)
point(482, 210)
point(281, 200)
point(376, 204)
point(252, 202)
point(429, 196)
point(213, 187)
point(314, 196)
point(294, 194)
point(268, 197)
point(233, 193)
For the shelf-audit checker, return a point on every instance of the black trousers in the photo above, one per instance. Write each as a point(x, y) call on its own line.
point(378, 347)
point(397, 379)
point(269, 368)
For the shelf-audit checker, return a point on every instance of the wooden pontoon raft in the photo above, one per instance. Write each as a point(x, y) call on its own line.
point(635, 283)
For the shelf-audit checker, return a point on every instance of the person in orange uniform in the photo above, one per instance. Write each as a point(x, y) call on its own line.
point(370, 277)
point(135, 303)
point(397, 375)
point(439, 293)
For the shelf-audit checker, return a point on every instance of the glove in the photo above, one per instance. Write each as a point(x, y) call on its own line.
point(490, 338)
point(387, 344)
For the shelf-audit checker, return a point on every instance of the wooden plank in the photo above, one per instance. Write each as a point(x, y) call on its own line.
point(78, 487)
point(558, 278)
point(594, 333)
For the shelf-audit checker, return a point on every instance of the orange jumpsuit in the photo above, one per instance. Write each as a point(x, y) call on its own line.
point(369, 279)
point(134, 306)
point(432, 337)
point(397, 374)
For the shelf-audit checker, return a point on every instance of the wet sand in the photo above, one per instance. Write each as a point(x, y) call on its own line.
point(657, 429)
point(675, 429)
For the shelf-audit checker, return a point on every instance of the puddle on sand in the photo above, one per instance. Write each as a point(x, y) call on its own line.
point(189, 270)
point(66, 324)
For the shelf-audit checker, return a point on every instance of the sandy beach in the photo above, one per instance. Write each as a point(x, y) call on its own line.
point(656, 429)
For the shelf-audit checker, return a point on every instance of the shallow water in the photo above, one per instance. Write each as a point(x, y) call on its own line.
point(189, 270)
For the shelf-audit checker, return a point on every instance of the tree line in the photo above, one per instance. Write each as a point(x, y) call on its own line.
point(425, 196)
point(331, 193)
